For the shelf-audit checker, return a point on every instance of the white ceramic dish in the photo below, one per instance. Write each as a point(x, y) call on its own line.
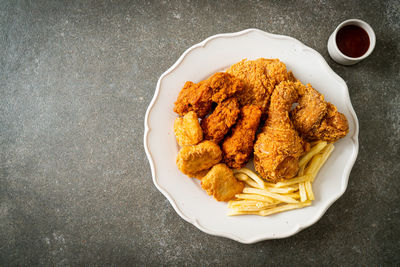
point(192, 203)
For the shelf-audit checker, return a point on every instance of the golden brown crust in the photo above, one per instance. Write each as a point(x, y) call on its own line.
point(194, 97)
point(217, 125)
point(316, 119)
point(224, 86)
point(193, 159)
point(221, 183)
point(278, 147)
point(187, 129)
point(259, 78)
point(238, 147)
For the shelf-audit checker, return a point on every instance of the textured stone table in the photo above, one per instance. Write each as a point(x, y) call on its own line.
point(75, 186)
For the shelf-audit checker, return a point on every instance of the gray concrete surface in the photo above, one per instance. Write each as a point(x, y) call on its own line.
point(75, 186)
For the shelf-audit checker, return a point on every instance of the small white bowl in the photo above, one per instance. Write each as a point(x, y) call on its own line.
point(337, 55)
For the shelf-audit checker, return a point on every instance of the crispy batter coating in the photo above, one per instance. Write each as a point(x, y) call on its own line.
point(194, 97)
point(316, 119)
point(310, 110)
point(198, 97)
point(221, 183)
point(238, 147)
point(224, 86)
point(193, 159)
point(332, 127)
point(278, 147)
point(188, 130)
point(259, 78)
point(217, 125)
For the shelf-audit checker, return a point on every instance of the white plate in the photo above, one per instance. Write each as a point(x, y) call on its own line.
point(214, 54)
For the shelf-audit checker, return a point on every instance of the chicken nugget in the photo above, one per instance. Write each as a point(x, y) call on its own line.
point(238, 147)
point(221, 183)
point(194, 97)
point(217, 125)
point(193, 159)
point(187, 129)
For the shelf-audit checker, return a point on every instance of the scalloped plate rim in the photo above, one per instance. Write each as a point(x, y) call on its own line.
point(298, 227)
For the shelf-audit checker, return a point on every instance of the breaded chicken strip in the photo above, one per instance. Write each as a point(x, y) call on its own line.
point(238, 147)
point(221, 183)
point(217, 125)
point(192, 160)
point(194, 97)
point(187, 129)
point(259, 78)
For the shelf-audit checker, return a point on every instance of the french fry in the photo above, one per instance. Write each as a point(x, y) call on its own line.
point(252, 175)
point(292, 181)
point(313, 151)
point(310, 194)
point(283, 190)
point(255, 197)
point(243, 177)
point(264, 192)
point(303, 193)
point(284, 208)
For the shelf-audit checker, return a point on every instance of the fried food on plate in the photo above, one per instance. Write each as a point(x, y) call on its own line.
point(278, 147)
point(238, 147)
point(198, 97)
point(224, 86)
point(317, 119)
point(217, 125)
point(221, 183)
point(193, 159)
point(187, 129)
point(194, 97)
point(331, 128)
point(259, 78)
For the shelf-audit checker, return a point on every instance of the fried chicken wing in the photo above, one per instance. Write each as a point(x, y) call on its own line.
point(316, 119)
point(198, 97)
point(238, 147)
point(194, 97)
point(217, 125)
point(192, 160)
point(278, 147)
point(220, 183)
point(187, 129)
point(332, 127)
point(224, 86)
point(259, 78)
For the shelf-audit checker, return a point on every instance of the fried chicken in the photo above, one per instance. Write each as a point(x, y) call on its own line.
point(187, 129)
point(278, 147)
point(199, 97)
point(217, 125)
point(192, 160)
point(238, 147)
point(221, 183)
point(316, 119)
point(194, 97)
point(259, 78)
point(224, 86)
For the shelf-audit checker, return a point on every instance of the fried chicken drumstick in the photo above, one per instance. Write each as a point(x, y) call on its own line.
point(278, 147)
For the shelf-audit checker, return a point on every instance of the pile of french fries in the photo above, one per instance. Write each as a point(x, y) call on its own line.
point(262, 198)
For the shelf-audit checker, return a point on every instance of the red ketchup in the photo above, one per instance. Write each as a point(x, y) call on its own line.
point(352, 40)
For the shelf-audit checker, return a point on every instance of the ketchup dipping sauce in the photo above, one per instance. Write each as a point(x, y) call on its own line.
point(353, 41)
